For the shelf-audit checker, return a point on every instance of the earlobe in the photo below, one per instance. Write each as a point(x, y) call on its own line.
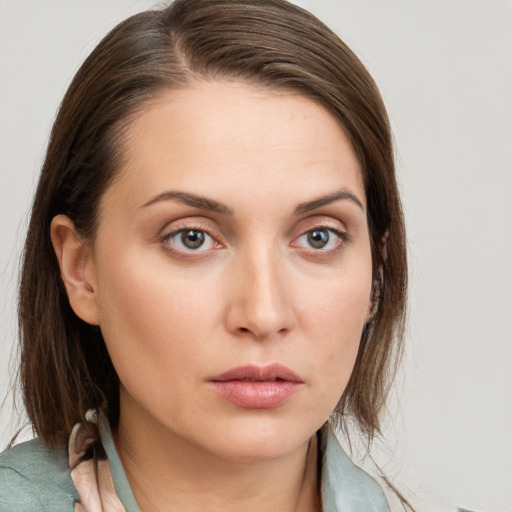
point(76, 268)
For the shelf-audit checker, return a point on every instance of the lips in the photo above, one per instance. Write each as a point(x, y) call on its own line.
point(257, 387)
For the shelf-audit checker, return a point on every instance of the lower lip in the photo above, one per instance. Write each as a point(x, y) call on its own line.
point(256, 395)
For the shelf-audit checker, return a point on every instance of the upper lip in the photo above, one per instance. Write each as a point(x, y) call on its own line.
point(255, 373)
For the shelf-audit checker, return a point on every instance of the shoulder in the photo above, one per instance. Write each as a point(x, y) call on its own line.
point(34, 477)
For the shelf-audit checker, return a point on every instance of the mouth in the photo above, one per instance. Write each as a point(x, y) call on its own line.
point(257, 387)
point(254, 373)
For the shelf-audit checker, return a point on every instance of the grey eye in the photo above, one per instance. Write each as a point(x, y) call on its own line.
point(318, 238)
point(321, 239)
point(192, 238)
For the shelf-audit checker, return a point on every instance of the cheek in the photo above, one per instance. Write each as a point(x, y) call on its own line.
point(149, 315)
point(334, 323)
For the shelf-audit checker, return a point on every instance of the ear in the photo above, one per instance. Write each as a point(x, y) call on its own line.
point(76, 268)
point(378, 279)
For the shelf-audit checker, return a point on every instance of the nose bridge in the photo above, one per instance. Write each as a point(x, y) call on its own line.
point(261, 304)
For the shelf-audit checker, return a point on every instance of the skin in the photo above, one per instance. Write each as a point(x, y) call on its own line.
point(255, 292)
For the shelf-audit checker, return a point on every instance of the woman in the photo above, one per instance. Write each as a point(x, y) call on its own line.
point(214, 272)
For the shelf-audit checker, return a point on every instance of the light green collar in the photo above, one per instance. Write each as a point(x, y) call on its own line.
point(121, 484)
point(345, 486)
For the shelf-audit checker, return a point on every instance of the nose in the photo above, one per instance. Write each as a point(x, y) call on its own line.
point(259, 298)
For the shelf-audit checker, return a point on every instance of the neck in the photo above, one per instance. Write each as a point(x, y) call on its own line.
point(168, 473)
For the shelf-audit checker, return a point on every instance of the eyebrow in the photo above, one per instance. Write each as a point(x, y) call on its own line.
point(193, 200)
point(203, 203)
point(342, 194)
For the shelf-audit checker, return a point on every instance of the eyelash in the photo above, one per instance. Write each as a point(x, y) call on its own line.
point(342, 238)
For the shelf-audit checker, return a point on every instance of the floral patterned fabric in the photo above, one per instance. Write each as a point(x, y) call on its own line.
point(90, 472)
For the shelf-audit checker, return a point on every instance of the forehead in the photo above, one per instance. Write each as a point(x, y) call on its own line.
point(216, 134)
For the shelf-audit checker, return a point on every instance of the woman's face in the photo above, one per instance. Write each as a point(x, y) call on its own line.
point(232, 269)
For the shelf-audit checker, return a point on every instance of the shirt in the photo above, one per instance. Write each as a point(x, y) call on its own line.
point(34, 477)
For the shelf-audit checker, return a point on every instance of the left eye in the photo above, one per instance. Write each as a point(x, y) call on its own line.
point(320, 238)
point(191, 240)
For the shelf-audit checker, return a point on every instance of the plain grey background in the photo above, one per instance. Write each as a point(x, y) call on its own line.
point(445, 70)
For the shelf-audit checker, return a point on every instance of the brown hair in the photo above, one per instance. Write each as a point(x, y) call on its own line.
point(65, 367)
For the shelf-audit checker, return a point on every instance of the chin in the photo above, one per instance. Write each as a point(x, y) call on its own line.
point(260, 439)
point(258, 450)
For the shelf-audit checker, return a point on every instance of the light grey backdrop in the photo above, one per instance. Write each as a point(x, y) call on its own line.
point(445, 71)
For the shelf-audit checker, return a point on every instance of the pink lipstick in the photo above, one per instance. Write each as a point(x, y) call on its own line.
point(256, 387)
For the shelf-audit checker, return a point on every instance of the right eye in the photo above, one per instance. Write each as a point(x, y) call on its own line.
point(190, 240)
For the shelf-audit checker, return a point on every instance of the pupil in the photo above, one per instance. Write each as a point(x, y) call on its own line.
point(318, 238)
point(192, 239)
